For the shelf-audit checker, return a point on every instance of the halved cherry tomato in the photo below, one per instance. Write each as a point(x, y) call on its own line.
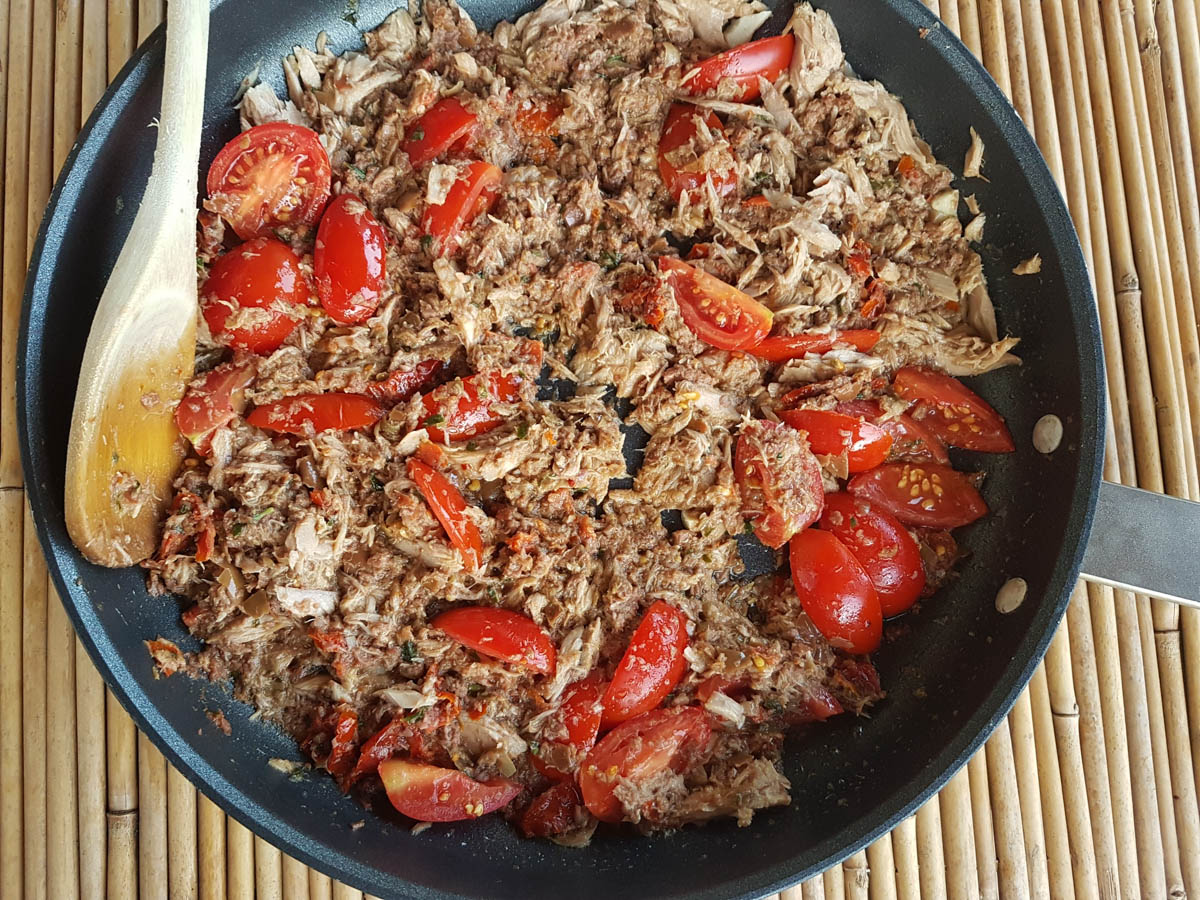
point(910, 438)
point(717, 313)
point(651, 667)
point(781, 347)
point(835, 591)
point(433, 794)
point(637, 750)
point(921, 494)
point(400, 384)
point(502, 634)
point(953, 412)
point(882, 546)
point(248, 298)
point(831, 433)
point(552, 812)
point(449, 507)
point(444, 124)
point(348, 261)
point(780, 497)
point(721, 684)
point(678, 131)
point(301, 413)
point(580, 710)
point(212, 403)
point(343, 743)
point(273, 175)
point(472, 412)
point(471, 195)
point(743, 65)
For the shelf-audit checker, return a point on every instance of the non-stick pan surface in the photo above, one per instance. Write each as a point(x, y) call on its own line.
point(950, 678)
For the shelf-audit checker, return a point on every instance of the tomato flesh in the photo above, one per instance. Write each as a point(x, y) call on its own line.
point(472, 413)
point(779, 499)
point(830, 433)
point(956, 414)
point(910, 439)
point(717, 313)
point(502, 634)
point(434, 794)
point(444, 125)
point(254, 295)
point(348, 261)
point(835, 591)
point(450, 508)
point(679, 130)
point(343, 744)
point(581, 712)
point(213, 403)
point(400, 384)
point(552, 812)
point(651, 667)
point(274, 175)
point(882, 546)
point(925, 494)
point(743, 65)
point(302, 413)
point(639, 749)
point(471, 195)
point(781, 348)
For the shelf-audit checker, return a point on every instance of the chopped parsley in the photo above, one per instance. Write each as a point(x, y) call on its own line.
point(376, 484)
point(472, 445)
point(523, 430)
point(535, 748)
point(418, 134)
point(409, 652)
point(763, 177)
point(610, 260)
point(361, 173)
point(773, 705)
point(615, 59)
point(749, 527)
point(434, 420)
point(238, 528)
point(263, 513)
point(427, 242)
point(474, 689)
point(492, 592)
point(415, 716)
point(854, 521)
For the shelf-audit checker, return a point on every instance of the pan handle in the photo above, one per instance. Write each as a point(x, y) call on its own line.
point(1145, 542)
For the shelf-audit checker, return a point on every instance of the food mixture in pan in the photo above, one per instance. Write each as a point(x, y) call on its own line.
point(442, 286)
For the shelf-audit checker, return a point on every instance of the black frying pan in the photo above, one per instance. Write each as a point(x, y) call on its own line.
point(950, 679)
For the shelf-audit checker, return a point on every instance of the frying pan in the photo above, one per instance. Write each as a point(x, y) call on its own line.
point(951, 676)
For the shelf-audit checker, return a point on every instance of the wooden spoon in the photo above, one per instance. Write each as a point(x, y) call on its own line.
point(124, 447)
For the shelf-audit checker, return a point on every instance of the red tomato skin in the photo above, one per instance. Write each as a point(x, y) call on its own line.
point(763, 495)
point(320, 412)
point(261, 274)
point(472, 415)
point(910, 439)
point(835, 591)
point(952, 411)
point(678, 129)
point(500, 633)
point(344, 743)
point(638, 749)
point(471, 195)
point(213, 403)
point(781, 348)
point(272, 175)
point(882, 546)
point(891, 486)
point(380, 746)
point(449, 508)
point(400, 384)
point(552, 812)
point(348, 261)
point(442, 126)
point(701, 295)
point(830, 433)
point(581, 712)
point(651, 667)
point(433, 794)
point(768, 57)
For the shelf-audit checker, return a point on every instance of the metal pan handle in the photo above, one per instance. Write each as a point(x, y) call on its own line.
point(1147, 543)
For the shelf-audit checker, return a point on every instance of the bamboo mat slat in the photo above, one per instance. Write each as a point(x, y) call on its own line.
point(1088, 789)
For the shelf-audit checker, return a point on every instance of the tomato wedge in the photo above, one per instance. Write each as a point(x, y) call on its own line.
point(953, 412)
point(212, 403)
point(680, 175)
point(254, 295)
point(910, 438)
point(637, 750)
point(835, 591)
point(921, 494)
point(717, 313)
point(272, 176)
point(831, 433)
point(400, 384)
point(779, 480)
point(381, 746)
point(651, 667)
point(463, 409)
point(783, 347)
point(433, 794)
point(302, 413)
point(742, 65)
point(343, 744)
point(581, 711)
point(471, 195)
point(552, 812)
point(882, 546)
point(348, 261)
point(502, 634)
point(444, 124)
point(449, 507)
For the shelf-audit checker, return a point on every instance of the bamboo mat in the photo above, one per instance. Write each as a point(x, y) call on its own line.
point(1088, 790)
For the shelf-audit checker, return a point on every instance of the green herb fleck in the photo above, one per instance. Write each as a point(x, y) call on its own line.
point(237, 529)
point(472, 445)
point(535, 748)
point(610, 260)
point(435, 419)
point(773, 705)
point(493, 592)
point(185, 509)
point(763, 177)
point(427, 242)
point(408, 651)
point(481, 388)
point(749, 527)
point(376, 484)
point(415, 716)
point(474, 689)
point(523, 430)
point(854, 521)
point(361, 173)
point(615, 59)
point(418, 134)
point(263, 513)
